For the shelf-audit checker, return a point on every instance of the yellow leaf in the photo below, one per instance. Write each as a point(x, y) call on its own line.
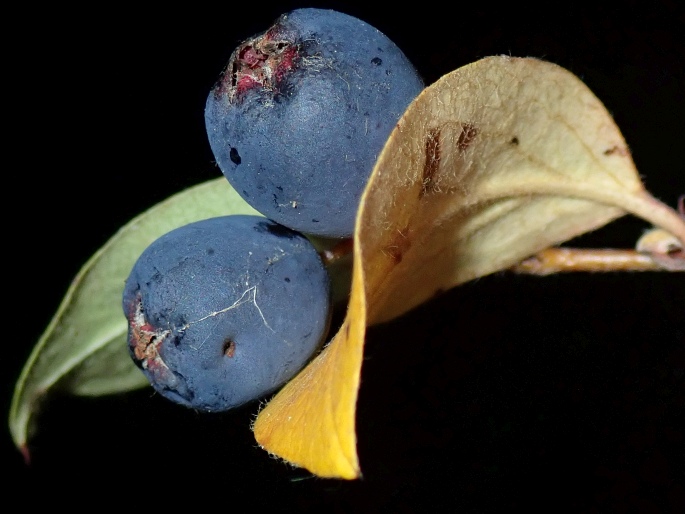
point(496, 161)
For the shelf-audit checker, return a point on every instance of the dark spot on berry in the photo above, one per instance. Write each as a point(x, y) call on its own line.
point(287, 279)
point(376, 61)
point(235, 156)
point(514, 141)
point(275, 229)
point(229, 348)
point(315, 220)
point(210, 251)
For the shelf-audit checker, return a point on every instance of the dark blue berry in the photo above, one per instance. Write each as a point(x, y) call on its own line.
point(302, 112)
point(225, 310)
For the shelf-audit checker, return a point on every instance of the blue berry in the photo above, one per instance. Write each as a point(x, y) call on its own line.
point(302, 112)
point(225, 310)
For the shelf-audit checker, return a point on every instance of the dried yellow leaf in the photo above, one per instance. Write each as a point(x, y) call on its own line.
point(496, 161)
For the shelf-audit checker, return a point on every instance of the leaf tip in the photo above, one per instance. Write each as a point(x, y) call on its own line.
point(24, 449)
point(281, 436)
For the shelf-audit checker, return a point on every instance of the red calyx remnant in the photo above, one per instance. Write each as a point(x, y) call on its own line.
point(145, 341)
point(261, 62)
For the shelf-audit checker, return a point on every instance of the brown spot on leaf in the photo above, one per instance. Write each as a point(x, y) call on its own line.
point(432, 161)
point(617, 150)
point(466, 137)
point(398, 246)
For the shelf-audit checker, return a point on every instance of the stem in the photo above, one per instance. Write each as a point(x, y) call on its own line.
point(559, 260)
point(331, 255)
point(339, 269)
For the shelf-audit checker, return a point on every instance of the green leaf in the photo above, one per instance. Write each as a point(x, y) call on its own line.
point(83, 350)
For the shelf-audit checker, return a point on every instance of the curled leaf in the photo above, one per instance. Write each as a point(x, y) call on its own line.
point(84, 350)
point(496, 161)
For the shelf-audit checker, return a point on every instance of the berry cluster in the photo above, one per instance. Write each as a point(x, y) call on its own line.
point(226, 310)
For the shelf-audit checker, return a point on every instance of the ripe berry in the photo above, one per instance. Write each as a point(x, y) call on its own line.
point(225, 310)
point(302, 112)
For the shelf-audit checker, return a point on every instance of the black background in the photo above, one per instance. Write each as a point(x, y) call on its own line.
point(565, 392)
